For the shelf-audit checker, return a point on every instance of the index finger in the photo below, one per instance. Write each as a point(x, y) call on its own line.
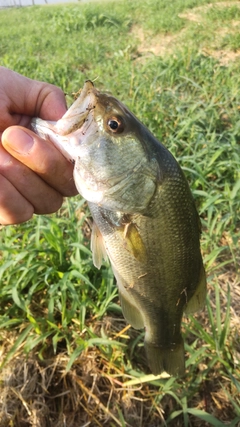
point(22, 98)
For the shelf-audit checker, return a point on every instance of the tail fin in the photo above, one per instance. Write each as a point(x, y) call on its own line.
point(168, 359)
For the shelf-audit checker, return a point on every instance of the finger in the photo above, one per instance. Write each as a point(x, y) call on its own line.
point(22, 98)
point(43, 198)
point(41, 157)
point(14, 208)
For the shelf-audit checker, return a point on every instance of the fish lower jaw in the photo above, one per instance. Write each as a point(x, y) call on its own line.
point(91, 193)
point(47, 131)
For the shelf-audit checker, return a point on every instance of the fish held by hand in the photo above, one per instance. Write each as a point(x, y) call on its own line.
point(145, 219)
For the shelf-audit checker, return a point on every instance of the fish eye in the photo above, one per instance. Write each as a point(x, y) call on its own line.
point(115, 124)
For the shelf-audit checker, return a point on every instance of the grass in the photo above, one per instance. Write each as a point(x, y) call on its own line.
point(67, 355)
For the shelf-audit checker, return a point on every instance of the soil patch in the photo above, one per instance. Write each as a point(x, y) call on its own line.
point(167, 44)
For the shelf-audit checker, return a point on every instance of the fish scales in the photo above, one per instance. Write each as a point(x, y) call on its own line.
point(144, 216)
point(157, 276)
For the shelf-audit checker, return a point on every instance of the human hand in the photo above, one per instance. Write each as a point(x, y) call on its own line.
point(34, 175)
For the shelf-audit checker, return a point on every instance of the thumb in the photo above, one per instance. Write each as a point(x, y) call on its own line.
point(41, 157)
point(18, 141)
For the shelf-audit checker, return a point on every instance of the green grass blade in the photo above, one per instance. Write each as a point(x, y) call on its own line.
point(17, 344)
point(202, 415)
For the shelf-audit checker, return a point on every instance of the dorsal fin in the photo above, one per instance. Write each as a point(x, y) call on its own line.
point(199, 297)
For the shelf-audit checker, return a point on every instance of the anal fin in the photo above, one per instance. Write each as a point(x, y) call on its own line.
point(130, 310)
point(131, 313)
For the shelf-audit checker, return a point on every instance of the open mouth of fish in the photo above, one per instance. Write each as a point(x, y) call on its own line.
point(76, 124)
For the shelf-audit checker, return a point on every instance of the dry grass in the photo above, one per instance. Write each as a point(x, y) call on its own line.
point(41, 392)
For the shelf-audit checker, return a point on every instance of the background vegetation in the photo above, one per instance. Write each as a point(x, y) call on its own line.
point(68, 357)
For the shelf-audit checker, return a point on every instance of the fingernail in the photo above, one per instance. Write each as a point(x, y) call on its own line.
point(18, 140)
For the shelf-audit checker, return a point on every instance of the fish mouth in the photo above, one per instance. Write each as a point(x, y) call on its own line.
point(77, 123)
point(76, 116)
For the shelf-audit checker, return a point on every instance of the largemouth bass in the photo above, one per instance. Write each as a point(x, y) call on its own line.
point(144, 218)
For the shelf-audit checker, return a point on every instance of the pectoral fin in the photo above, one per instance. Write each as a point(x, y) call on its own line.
point(198, 299)
point(97, 246)
point(133, 242)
